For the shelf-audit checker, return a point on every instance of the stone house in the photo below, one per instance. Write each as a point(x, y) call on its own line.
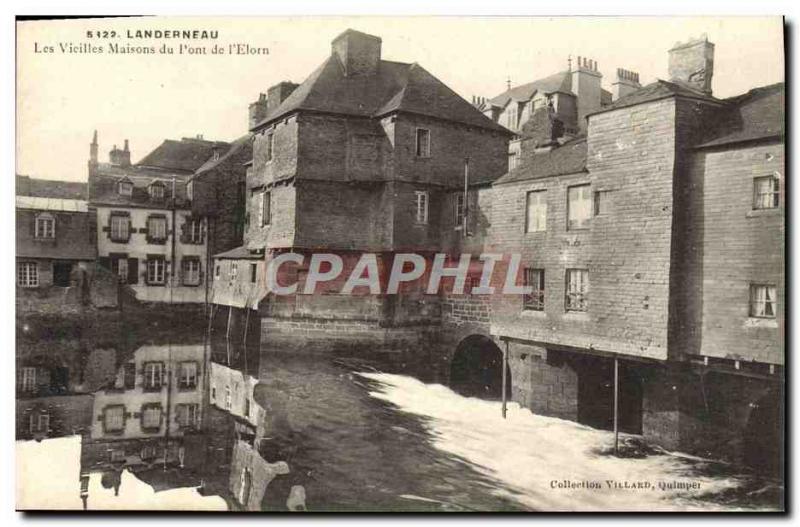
point(55, 244)
point(654, 242)
point(146, 233)
point(365, 155)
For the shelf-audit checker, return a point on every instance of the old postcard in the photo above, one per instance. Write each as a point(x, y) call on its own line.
point(400, 264)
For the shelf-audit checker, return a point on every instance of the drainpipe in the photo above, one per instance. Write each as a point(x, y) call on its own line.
point(505, 377)
point(616, 406)
point(466, 198)
point(174, 231)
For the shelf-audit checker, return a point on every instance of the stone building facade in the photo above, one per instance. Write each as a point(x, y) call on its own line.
point(147, 234)
point(656, 241)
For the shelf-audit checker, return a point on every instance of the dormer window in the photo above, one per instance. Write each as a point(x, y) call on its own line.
point(157, 190)
point(125, 188)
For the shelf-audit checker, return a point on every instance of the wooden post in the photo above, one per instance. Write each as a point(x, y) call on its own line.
point(505, 378)
point(616, 406)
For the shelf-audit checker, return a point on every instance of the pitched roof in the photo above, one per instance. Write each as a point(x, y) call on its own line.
point(239, 253)
point(395, 87)
point(104, 185)
point(50, 188)
point(757, 114)
point(654, 91)
point(234, 147)
point(52, 204)
point(569, 158)
point(186, 155)
point(558, 82)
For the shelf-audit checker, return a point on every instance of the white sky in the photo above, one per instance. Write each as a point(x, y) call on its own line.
point(62, 98)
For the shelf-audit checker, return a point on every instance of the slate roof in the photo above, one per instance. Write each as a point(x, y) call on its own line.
point(569, 158)
point(50, 188)
point(103, 186)
point(236, 146)
point(186, 155)
point(757, 114)
point(395, 87)
point(558, 82)
point(654, 91)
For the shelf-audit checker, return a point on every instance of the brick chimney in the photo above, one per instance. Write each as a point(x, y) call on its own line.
point(692, 64)
point(625, 83)
point(359, 53)
point(257, 111)
point(120, 157)
point(586, 85)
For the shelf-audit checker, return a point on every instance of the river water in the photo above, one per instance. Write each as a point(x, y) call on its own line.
point(368, 435)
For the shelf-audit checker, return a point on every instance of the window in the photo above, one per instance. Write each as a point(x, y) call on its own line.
point(421, 197)
point(120, 267)
point(156, 228)
point(191, 271)
point(28, 379)
point(577, 289)
point(45, 227)
point(253, 272)
point(602, 202)
point(247, 407)
point(423, 142)
point(156, 270)
point(194, 231)
point(190, 190)
point(762, 300)
point(460, 211)
point(28, 274)
point(120, 228)
point(579, 207)
point(153, 375)
point(535, 300)
point(270, 144)
point(234, 270)
point(187, 415)
point(536, 211)
point(513, 161)
point(114, 418)
point(125, 188)
point(148, 452)
point(151, 416)
point(512, 115)
point(228, 397)
point(187, 375)
point(213, 393)
point(265, 211)
point(157, 191)
point(216, 270)
point(39, 423)
point(766, 192)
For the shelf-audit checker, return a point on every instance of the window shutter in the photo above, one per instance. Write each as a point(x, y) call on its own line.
point(184, 227)
point(130, 375)
point(133, 270)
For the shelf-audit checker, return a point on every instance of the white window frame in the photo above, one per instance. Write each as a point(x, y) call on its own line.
point(421, 204)
point(191, 271)
point(584, 205)
point(769, 199)
point(537, 222)
point(120, 224)
point(107, 412)
point(157, 191)
point(155, 226)
point(576, 290)
point(39, 422)
point(187, 375)
point(28, 274)
point(156, 271)
point(763, 300)
point(122, 270)
point(147, 416)
point(195, 231)
point(45, 228)
point(28, 375)
point(149, 375)
point(460, 210)
point(188, 415)
point(125, 188)
point(534, 277)
point(422, 149)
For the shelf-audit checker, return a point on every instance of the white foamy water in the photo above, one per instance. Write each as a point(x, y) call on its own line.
point(528, 453)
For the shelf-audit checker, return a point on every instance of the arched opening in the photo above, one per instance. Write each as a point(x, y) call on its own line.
point(763, 434)
point(477, 369)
